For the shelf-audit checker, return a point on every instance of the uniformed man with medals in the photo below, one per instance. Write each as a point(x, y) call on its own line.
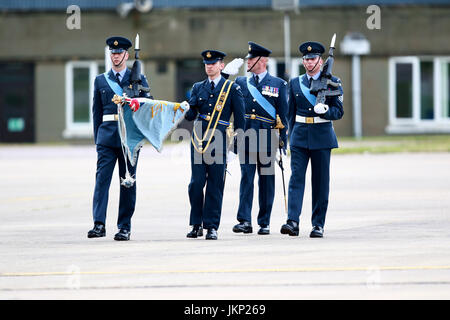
point(108, 143)
point(265, 99)
point(311, 138)
point(212, 103)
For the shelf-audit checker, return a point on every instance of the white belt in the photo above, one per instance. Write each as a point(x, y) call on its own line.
point(310, 119)
point(110, 117)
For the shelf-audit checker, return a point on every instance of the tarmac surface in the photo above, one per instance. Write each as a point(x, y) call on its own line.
point(387, 233)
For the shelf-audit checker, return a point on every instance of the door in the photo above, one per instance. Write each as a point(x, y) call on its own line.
point(17, 102)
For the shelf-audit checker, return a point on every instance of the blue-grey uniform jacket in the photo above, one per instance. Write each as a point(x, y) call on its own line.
point(203, 101)
point(279, 102)
point(312, 135)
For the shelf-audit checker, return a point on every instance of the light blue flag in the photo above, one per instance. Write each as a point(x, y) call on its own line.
point(154, 121)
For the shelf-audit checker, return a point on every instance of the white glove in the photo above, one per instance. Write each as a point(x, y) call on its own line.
point(185, 105)
point(321, 108)
point(232, 68)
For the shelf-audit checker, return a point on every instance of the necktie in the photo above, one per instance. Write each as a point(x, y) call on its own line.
point(310, 81)
point(256, 80)
point(118, 77)
point(212, 85)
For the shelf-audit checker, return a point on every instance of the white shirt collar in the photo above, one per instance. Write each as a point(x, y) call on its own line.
point(216, 80)
point(260, 76)
point(315, 77)
point(121, 73)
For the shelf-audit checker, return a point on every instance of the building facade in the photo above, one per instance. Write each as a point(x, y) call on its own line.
point(48, 69)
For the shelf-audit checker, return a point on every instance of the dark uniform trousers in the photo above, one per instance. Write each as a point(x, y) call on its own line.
point(209, 169)
point(310, 142)
point(320, 177)
point(109, 152)
point(206, 206)
point(259, 154)
point(106, 162)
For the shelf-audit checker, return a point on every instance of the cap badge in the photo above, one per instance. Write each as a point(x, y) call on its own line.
point(208, 55)
point(309, 48)
point(116, 43)
point(249, 48)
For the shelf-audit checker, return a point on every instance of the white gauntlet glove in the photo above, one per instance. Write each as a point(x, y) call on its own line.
point(232, 68)
point(321, 108)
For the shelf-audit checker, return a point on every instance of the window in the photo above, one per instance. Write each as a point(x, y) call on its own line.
point(419, 95)
point(80, 76)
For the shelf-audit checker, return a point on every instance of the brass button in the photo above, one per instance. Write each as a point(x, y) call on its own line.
point(211, 95)
point(254, 100)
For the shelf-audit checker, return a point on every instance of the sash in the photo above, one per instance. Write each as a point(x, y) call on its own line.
point(305, 90)
point(197, 143)
point(267, 106)
point(113, 85)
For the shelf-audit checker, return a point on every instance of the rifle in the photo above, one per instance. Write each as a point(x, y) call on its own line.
point(135, 87)
point(319, 87)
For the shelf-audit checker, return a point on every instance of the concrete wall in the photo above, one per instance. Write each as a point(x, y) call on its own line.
point(183, 33)
point(374, 93)
point(163, 85)
point(170, 35)
point(50, 101)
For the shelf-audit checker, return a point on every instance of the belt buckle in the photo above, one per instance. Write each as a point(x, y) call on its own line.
point(309, 119)
point(253, 116)
point(116, 117)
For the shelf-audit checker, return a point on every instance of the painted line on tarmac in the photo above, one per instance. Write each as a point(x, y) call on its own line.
point(42, 198)
point(233, 285)
point(282, 270)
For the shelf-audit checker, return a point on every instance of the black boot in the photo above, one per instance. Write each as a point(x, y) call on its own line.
point(245, 227)
point(197, 231)
point(290, 228)
point(97, 232)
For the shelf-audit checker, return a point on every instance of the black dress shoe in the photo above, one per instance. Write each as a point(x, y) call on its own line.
point(122, 235)
point(245, 227)
point(316, 232)
point(97, 232)
point(197, 231)
point(264, 230)
point(211, 234)
point(290, 228)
